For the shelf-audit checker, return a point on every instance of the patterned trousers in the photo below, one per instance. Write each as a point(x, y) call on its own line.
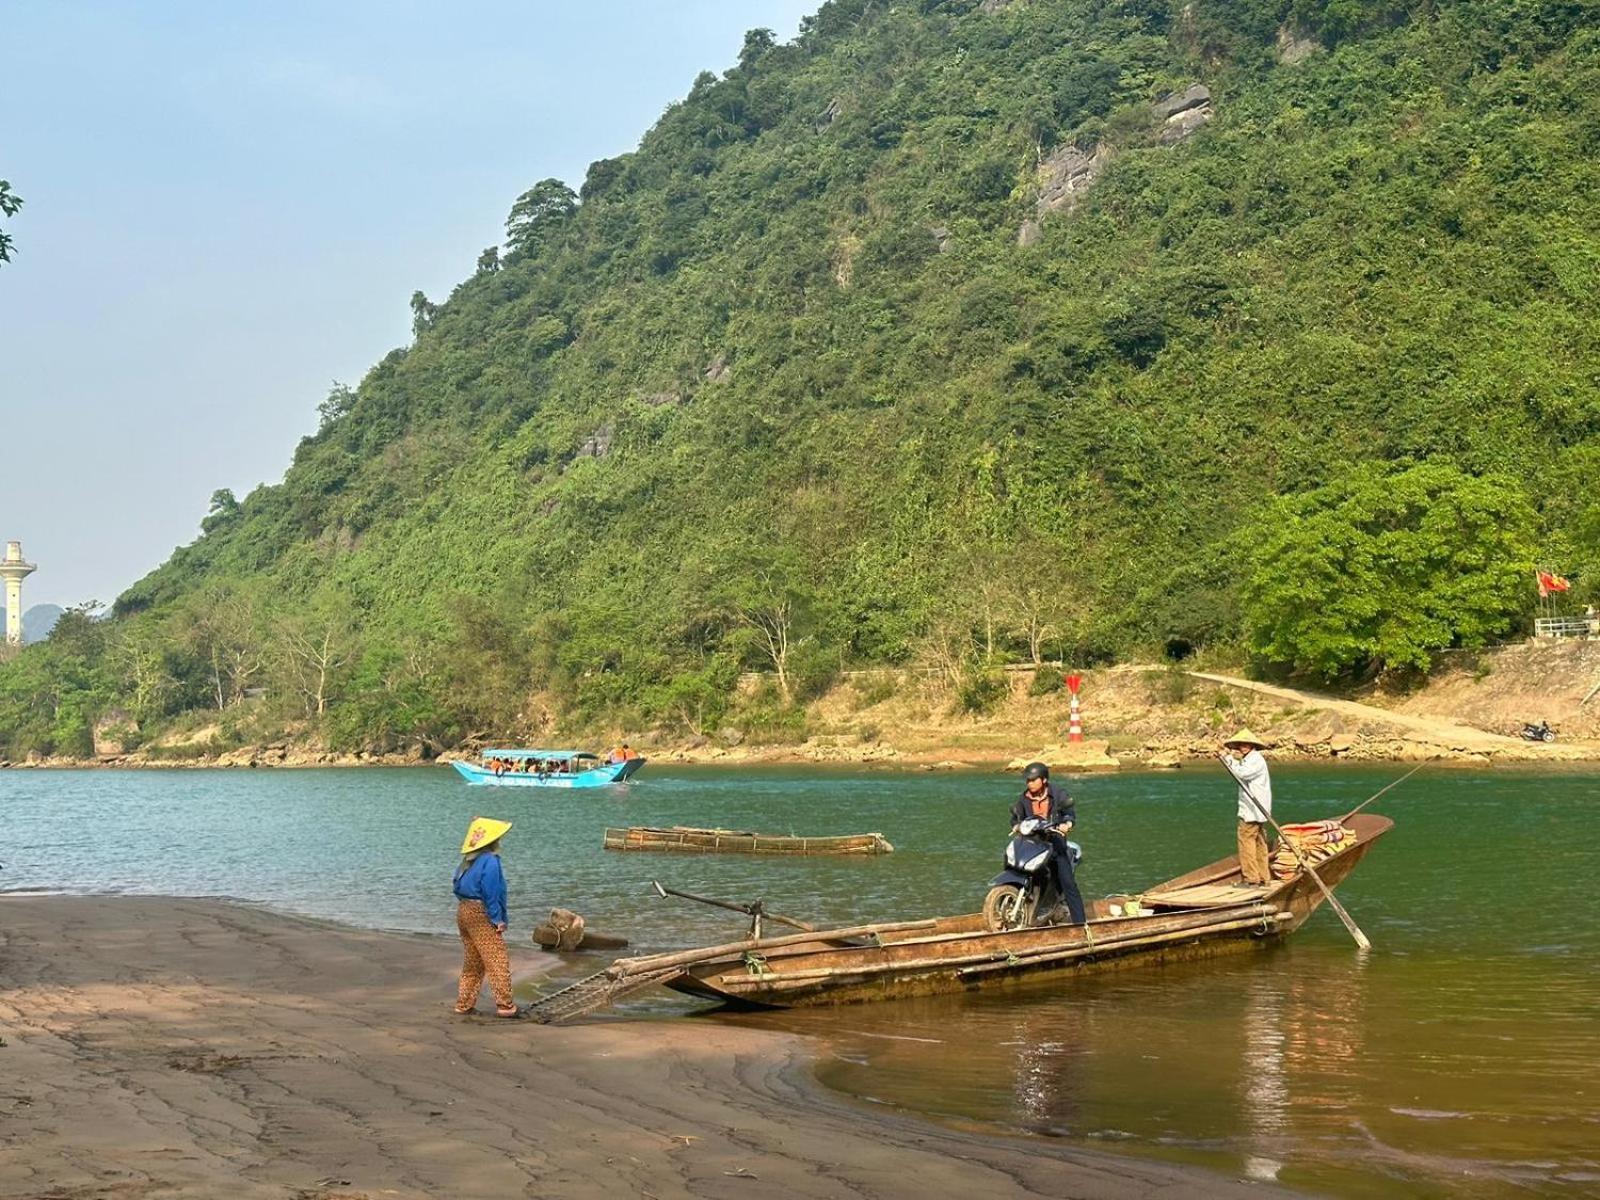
point(483, 953)
point(1253, 852)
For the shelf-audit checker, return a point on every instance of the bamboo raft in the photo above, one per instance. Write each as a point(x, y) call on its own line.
point(739, 841)
point(1205, 912)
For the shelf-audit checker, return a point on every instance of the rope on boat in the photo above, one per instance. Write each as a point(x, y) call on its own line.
point(756, 964)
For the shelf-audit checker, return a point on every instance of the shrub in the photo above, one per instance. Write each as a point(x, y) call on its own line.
point(1046, 680)
point(981, 691)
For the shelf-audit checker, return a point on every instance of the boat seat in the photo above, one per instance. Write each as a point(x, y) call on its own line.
point(1210, 895)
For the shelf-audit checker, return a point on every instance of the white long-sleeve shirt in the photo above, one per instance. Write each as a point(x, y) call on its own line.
point(1255, 783)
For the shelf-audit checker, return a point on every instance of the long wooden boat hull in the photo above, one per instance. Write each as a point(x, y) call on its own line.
point(958, 954)
point(734, 841)
point(601, 776)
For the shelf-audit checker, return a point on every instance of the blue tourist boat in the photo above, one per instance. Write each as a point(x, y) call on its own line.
point(547, 769)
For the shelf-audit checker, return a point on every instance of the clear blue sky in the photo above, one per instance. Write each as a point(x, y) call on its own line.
point(228, 206)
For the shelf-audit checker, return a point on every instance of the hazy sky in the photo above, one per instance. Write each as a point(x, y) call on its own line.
point(228, 206)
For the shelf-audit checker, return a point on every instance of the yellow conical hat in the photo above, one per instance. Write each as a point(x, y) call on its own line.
point(482, 832)
point(1246, 738)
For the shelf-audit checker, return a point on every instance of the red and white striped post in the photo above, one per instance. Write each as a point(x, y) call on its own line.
point(1074, 720)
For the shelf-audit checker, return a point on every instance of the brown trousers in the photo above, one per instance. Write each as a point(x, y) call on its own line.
point(483, 953)
point(1253, 852)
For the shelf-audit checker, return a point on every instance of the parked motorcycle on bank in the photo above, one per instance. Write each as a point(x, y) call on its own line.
point(1026, 890)
point(1539, 733)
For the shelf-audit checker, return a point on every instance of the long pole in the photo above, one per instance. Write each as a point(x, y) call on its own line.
point(1381, 791)
point(1349, 921)
point(749, 910)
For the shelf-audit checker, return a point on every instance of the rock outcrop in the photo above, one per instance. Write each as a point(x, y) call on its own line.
point(1067, 174)
point(112, 733)
point(1294, 47)
point(598, 443)
point(1182, 113)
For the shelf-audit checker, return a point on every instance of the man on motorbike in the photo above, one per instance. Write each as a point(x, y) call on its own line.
point(1044, 801)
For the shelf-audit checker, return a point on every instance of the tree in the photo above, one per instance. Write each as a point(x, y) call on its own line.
point(341, 397)
point(315, 648)
point(489, 261)
point(537, 214)
point(1387, 566)
point(224, 508)
point(756, 43)
point(423, 311)
point(10, 203)
point(220, 628)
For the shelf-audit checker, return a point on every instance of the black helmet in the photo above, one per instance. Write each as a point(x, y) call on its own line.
point(1035, 770)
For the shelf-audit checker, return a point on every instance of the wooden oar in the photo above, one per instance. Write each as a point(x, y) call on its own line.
point(1380, 792)
point(1327, 894)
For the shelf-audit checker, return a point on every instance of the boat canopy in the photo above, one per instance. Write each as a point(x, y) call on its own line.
point(565, 755)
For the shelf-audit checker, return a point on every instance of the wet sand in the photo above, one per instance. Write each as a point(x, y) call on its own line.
point(198, 1049)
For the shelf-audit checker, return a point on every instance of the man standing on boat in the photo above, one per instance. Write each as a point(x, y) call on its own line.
point(1241, 754)
point(1044, 801)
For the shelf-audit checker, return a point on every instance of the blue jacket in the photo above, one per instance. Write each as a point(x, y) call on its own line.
point(483, 880)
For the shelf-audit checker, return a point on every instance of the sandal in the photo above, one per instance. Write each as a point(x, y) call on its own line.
point(514, 1013)
point(465, 1012)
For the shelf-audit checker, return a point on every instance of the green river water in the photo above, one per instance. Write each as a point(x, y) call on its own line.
point(1460, 1058)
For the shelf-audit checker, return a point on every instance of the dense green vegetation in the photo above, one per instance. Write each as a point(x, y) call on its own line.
point(782, 388)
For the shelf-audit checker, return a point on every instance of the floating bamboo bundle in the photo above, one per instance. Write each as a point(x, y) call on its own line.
point(740, 841)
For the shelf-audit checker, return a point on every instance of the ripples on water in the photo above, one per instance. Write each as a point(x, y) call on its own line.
point(1462, 1058)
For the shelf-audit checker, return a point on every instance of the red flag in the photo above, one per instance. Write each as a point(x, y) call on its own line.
point(1549, 582)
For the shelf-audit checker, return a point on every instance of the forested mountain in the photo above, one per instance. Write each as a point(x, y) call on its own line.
point(948, 332)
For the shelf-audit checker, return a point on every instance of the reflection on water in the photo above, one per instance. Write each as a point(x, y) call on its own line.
point(1460, 1058)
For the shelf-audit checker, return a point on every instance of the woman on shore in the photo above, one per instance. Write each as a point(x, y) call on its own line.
point(480, 887)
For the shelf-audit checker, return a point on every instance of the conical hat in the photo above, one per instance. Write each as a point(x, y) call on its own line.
point(1246, 738)
point(483, 832)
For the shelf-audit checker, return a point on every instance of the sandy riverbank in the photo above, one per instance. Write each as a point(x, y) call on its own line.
point(196, 1049)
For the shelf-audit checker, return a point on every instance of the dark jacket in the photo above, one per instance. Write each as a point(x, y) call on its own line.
point(1061, 806)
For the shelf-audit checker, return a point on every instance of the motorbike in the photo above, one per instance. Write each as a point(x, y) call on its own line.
point(1539, 733)
point(1026, 889)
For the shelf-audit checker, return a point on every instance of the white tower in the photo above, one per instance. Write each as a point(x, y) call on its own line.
point(13, 570)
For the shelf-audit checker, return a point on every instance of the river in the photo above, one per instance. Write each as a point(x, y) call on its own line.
point(1460, 1058)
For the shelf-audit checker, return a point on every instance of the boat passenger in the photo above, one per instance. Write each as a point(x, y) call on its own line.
point(480, 889)
point(1241, 754)
point(1043, 800)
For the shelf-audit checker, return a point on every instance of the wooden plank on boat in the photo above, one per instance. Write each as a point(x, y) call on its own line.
point(654, 962)
point(1206, 896)
point(741, 841)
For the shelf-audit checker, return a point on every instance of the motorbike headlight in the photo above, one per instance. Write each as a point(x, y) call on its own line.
point(1037, 861)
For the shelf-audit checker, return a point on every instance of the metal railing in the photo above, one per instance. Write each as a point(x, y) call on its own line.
point(1565, 627)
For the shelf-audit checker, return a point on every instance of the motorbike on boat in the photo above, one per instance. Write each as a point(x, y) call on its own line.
point(1539, 733)
point(1026, 890)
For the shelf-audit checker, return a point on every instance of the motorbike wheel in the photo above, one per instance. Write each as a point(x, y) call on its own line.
point(1005, 908)
point(1549, 735)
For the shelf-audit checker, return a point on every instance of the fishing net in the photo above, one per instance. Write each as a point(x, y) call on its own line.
point(1317, 841)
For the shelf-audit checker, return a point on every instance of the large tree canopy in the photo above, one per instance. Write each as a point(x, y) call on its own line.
point(1387, 566)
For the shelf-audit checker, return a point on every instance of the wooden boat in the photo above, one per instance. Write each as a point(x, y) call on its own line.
point(546, 769)
point(737, 841)
point(1207, 911)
